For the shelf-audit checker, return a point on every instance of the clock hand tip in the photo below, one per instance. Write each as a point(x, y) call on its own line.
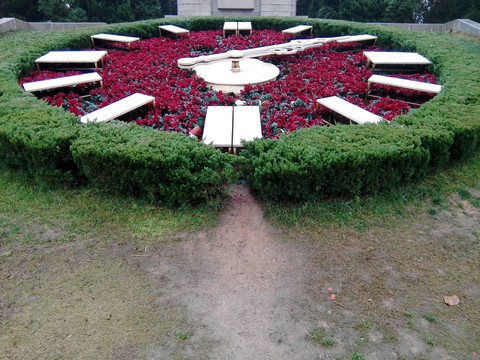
point(186, 62)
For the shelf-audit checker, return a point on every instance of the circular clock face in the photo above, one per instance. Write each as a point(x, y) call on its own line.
point(181, 96)
point(222, 76)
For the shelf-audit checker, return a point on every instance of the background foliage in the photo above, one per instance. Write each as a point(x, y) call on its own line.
point(113, 11)
point(433, 11)
point(109, 11)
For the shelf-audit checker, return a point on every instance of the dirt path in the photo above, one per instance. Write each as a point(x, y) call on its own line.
point(244, 288)
point(251, 292)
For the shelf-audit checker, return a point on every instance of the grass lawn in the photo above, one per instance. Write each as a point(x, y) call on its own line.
point(74, 284)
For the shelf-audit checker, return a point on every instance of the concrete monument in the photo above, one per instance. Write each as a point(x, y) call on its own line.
point(236, 7)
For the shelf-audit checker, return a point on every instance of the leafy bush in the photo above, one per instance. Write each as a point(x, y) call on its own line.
point(36, 137)
point(340, 160)
point(163, 166)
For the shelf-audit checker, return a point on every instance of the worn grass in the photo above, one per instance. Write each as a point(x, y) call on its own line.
point(30, 213)
point(393, 256)
point(67, 305)
point(69, 286)
point(386, 208)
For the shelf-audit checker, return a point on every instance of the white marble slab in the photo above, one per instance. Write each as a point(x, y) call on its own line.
point(218, 126)
point(118, 108)
point(350, 111)
point(114, 38)
point(173, 29)
point(297, 29)
point(395, 58)
point(72, 57)
point(227, 126)
point(246, 124)
point(62, 82)
point(406, 84)
point(358, 38)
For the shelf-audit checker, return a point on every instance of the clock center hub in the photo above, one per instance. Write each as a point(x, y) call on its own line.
point(232, 76)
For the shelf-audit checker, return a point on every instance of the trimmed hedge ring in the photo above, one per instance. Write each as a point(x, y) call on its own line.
point(51, 145)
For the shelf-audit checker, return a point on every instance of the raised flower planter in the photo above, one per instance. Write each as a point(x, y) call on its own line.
point(182, 97)
point(50, 144)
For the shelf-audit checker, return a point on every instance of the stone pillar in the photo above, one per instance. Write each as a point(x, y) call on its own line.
point(194, 7)
point(278, 8)
point(236, 7)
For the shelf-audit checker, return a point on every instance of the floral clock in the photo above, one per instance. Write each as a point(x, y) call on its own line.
point(287, 103)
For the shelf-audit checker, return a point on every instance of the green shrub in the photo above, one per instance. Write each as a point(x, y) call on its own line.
point(158, 166)
point(36, 137)
point(340, 160)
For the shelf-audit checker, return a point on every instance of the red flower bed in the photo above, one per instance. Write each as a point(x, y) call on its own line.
point(182, 97)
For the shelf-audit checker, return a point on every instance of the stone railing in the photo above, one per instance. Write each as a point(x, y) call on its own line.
point(462, 25)
point(11, 24)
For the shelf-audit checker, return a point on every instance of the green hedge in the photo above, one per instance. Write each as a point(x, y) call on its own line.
point(155, 165)
point(37, 138)
point(52, 146)
point(340, 160)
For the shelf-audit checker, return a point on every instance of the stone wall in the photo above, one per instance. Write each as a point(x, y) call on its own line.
point(236, 7)
point(462, 25)
point(194, 7)
point(39, 26)
point(278, 8)
point(12, 24)
point(466, 26)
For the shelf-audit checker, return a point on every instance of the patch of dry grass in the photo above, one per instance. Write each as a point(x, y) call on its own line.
point(68, 302)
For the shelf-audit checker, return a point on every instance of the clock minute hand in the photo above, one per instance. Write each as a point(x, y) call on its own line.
point(289, 48)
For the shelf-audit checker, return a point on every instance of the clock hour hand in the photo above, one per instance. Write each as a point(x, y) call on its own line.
point(289, 48)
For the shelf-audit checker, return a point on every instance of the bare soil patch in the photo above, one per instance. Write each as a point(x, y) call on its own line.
point(243, 285)
point(253, 291)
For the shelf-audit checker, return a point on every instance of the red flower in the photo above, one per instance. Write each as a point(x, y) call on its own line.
point(182, 97)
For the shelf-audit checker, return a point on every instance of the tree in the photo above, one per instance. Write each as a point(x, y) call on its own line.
point(313, 8)
point(327, 12)
point(78, 15)
point(87, 10)
point(20, 9)
point(363, 11)
point(111, 11)
point(95, 10)
point(402, 11)
point(302, 7)
point(169, 6)
point(147, 9)
point(327, 9)
point(54, 10)
point(366, 10)
point(446, 10)
point(61, 10)
point(123, 12)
